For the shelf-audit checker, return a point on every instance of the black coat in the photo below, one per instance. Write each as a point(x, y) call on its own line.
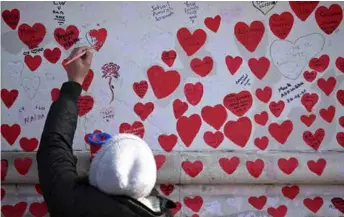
point(63, 191)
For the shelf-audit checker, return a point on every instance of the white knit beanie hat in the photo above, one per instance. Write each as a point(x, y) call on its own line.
point(125, 165)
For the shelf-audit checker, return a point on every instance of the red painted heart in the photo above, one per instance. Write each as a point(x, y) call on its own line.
point(192, 169)
point(168, 57)
point(229, 165)
point(340, 64)
point(163, 83)
point(319, 64)
point(28, 144)
point(314, 140)
point(249, 36)
point(3, 193)
point(313, 204)
point(85, 105)
point(328, 85)
point(166, 189)
point(38, 189)
point(264, 95)
point(303, 9)
point(214, 116)
point(17, 210)
point(261, 118)
point(277, 108)
point(238, 103)
point(88, 80)
point(281, 132)
point(288, 166)
point(23, 165)
point(188, 128)
point(291, 192)
point(238, 131)
point(140, 88)
point(167, 142)
point(10, 133)
point(143, 110)
point(11, 18)
point(309, 100)
point(4, 169)
point(38, 209)
point(52, 55)
point(213, 139)
point(191, 42)
point(310, 76)
point(67, 38)
point(308, 120)
point(31, 36)
point(338, 203)
point(340, 97)
point(233, 64)
point(99, 36)
point(55, 93)
point(281, 25)
point(136, 128)
point(33, 62)
point(259, 67)
point(202, 67)
point(179, 108)
point(194, 203)
point(261, 143)
point(213, 23)
point(159, 160)
point(317, 167)
point(281, 211)
point(328, 19)
point(258, 202)
point(193, 92)
point(9, 97)
point(255, 168)
point(340, 138)
point(328, 114)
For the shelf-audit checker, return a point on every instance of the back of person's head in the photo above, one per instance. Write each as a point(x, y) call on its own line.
point(124, 165)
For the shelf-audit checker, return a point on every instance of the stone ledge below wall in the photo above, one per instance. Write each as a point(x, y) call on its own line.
point(171, 170)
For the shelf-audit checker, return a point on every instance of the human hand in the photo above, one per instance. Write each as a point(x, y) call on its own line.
point(77, 70)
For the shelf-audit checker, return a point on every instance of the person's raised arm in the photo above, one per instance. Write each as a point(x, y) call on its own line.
point(56, 163)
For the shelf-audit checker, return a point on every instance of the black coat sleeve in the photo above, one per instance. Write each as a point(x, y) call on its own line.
point(64, 194)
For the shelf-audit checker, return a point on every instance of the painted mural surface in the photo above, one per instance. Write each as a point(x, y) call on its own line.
point(223, 92)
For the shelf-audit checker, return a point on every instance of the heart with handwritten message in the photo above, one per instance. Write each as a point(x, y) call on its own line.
point(264, 95)
point(213, 23)
point(264, 7)
point(16, 210)
point(143, 110)
point(194, 203)
point(238, 131)
point(287, 166)
point(317, 167)
point(67, 38)
point(31, 36)
point(258, 202)
point(4, 168)
point(308, 119)
point(255, 168)
point(214, 140)
point(314, 140)
point(136, 128)
point(163, 83)
point(229, 165)
point(191, 42)
point(168, 57)
point(261, 118)
point(310, 76)
point(167, 142)
point(179, 108)
point(214, 116)
point(28, 144)
point(33, 62)
point(85, 105)
point(327, 86)
point(259, 67)
point(309, 100)
point(52, 55)
point(303, 9)
point(96, 38)
point(160, 160)
point(9, 97)
point(328, 114)
point(276, 108)
point(233, 64)
point(10, 133)
point(193, 92)
point(188, 128)
point(328, 19)
point(193, 169)
point(281, 25)
point(290, 191)
point(281, 132)
point(338, 203)
point(38, 209)
point(238, 103)
point(249, 36)
point(202, 67)
point(286, 57)
point(261, 143)
point(23, 165)
point(319, 64)
point(140, 88)
point(11, 18)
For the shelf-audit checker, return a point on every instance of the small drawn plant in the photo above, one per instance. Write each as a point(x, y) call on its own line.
point(110, 71)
